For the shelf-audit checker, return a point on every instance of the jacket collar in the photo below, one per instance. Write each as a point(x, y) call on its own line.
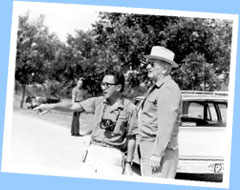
point(161, 81)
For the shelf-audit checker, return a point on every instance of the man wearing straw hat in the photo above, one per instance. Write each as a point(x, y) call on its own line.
point(159, 117)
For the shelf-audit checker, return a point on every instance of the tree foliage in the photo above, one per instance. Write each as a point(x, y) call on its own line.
point(35, 50)
point(198, 42)
point(119, 41)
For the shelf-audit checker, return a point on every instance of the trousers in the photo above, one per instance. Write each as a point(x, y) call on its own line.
point(168, 162)
point(103, 160)
point(75, 124)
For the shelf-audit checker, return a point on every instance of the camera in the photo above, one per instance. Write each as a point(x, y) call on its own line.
point(107, 124)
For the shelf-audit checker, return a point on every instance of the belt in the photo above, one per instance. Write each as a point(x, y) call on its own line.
point(105, 145)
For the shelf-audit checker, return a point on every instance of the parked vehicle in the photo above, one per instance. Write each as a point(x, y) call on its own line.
point(202, 133)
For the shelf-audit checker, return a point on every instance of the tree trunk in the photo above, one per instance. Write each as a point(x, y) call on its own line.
point(23, 95)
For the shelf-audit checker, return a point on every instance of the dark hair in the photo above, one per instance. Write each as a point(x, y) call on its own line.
point(118, 77)
point(81, 78)
point(83, 82)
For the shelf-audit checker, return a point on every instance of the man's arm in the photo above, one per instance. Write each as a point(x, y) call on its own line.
point(131, 143)
point(62, 106)
point(73, 95)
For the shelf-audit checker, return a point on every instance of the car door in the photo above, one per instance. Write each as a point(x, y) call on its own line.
point(202, 130)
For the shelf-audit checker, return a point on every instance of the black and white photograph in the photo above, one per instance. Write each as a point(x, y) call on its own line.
point(128, 94)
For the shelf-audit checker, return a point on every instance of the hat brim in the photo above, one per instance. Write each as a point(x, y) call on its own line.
point(173, 63)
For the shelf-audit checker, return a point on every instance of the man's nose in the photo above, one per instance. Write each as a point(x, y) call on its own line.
point(149, 66)
point(103, 87)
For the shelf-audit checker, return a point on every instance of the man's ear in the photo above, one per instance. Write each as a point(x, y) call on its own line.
point(164, 71)
point(119, 87)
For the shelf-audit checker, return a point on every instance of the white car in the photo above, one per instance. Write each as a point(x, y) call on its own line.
point(202, 132)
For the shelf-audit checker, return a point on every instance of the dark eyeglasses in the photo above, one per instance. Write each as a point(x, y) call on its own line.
point(152, 63)
point(155, 63)
point(106, 84)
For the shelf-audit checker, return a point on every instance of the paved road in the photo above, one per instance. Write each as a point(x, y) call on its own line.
point(39, 144)
point(43, 148)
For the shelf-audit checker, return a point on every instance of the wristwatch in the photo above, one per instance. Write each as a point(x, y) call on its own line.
point(129, 162)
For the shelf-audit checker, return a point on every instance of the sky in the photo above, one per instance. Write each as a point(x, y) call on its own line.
point(62, 19)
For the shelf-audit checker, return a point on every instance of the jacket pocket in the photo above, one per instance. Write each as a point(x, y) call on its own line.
point(151, 104)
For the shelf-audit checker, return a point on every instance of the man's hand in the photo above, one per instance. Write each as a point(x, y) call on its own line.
point(155, 162)
point(43, 109)
point(128, 169)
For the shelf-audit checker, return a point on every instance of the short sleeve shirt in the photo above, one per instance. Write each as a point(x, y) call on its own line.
point(124, 115)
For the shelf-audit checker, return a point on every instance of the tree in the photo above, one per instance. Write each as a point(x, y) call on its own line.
point(35, 51)
point(77, 58)
point(201, 73)
point(118, 40)
point(126, 37)
point(209, 38)
point(130, 36)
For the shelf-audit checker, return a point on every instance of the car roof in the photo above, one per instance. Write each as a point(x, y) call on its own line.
point(205, 95)
point(218, 96)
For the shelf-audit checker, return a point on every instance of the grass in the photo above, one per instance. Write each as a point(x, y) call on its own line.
point(63, 119)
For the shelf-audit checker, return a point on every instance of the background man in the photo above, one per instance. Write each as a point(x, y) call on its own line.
point(115, 127)
point(159, 117)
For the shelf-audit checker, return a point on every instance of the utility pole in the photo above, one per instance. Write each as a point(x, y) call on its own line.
point(203, 76)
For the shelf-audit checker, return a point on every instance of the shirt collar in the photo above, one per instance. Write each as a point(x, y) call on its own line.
point(117, 106)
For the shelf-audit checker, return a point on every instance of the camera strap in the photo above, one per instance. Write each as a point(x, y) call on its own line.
point(118, 113)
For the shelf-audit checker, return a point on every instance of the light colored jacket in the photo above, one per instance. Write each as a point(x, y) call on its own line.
point(160, 116)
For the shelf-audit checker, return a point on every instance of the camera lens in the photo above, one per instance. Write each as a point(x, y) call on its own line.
point(107, 124)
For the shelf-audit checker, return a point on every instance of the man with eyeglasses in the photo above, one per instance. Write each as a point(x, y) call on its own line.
point(159, 117)
point(115, 127)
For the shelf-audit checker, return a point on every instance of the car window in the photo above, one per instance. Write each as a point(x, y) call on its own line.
point(211, 113)
point(193, 110)
point(223, 110)
point(203, 114)
point(137, 102)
